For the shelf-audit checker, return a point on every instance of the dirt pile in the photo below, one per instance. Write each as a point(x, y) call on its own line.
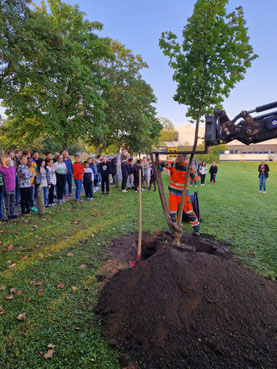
point(193, 310)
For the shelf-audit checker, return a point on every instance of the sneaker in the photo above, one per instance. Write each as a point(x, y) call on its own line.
point(88, 199)
point(70, 195)
point(62, 200)
point(107, 193)
point(91, 199)
point(14, 216)
point(196, 233)
point(264, 192)
point(79, 200)
point(34, 209)
point(102, 193)
point(124, 191)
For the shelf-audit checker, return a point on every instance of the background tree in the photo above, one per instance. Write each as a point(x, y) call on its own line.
point(129, 113)
point(62, 97)
point(213, 57)
point(168, 132)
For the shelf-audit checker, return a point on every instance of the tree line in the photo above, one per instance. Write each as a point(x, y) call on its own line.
point(60, 81)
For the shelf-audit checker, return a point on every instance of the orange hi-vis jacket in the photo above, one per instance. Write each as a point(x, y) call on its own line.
point(178, 175)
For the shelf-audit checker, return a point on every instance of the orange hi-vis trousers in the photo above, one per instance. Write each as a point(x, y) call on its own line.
point(173, 203)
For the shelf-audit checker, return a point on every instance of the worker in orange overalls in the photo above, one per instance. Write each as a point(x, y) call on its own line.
point(178, 170)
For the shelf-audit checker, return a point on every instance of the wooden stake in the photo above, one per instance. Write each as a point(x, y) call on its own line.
point(140, 222)
point(40, 198)
point(177, 238)
point(158, 174)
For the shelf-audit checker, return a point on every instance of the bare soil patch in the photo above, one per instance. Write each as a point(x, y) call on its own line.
point(189, 308)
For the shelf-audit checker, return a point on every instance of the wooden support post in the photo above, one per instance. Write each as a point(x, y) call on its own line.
point(40, 198)
point(158, 174)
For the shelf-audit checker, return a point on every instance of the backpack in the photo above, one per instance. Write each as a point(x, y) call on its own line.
point(195, 205)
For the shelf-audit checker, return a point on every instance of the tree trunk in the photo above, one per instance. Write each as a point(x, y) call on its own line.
point(178, 235)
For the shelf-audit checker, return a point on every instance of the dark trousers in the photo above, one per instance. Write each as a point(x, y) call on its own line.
point(17, 190)
point(150, 185)
point(60, 185)
point(68, 181)
point(124, 182)
point(113, 176)
point(88, 189)
point(51, 194)
point(95, 180)
point(213, 177)
point(26, 200)
point(10, 203)
point(202, 178)
point(105, 181)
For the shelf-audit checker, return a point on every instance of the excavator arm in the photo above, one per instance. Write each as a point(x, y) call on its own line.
point(244, 127)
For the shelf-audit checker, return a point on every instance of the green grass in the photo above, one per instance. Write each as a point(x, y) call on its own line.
point(232, 210)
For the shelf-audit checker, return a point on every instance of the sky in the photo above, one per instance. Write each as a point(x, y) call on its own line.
point(138, 24)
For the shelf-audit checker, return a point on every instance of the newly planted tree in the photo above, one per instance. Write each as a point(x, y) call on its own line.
point(213, 56)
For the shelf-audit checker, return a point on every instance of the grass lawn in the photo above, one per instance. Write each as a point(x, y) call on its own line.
point(53, 261)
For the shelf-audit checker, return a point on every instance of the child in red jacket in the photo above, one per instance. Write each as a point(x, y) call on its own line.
point(78, 170)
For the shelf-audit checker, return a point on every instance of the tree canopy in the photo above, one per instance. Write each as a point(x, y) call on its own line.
point(60, 79)
point(213, 57)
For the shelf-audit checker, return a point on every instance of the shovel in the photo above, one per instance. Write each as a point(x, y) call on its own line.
point(133, 263)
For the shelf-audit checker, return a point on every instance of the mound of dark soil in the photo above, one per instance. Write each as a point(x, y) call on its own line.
point(192, 310)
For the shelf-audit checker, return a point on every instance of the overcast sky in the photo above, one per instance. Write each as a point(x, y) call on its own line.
point(139, 24)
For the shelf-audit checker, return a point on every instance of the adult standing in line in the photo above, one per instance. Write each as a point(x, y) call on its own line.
point(120, 159)
point(113, 168)
point(105, 169)
point(263, 170)
point(69, 173)
point(126, 171)
point(17, 154)
point(60, 170)
point(203, 170)
point(79, 171)
point(213, 172)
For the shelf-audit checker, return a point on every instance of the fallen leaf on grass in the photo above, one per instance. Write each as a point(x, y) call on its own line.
point(25, 257)
point(252, 252)
point(10, 247)
point(83, 266)
point(21, 316)
point(12, 290)
point(51, 346)
point(58, 250)
point(19, 293)
point(9, 297)
point(74, 288)
point(40, 292)
point(9, 261)
point(2, 288)
point(2, 311)
point(35, 226)
point(29, 299)
point(34, 283)
point(95, 231)
point(92, 235)
point(60, 285)
point(49, 354)
point(69, 254)
point(11, 266)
